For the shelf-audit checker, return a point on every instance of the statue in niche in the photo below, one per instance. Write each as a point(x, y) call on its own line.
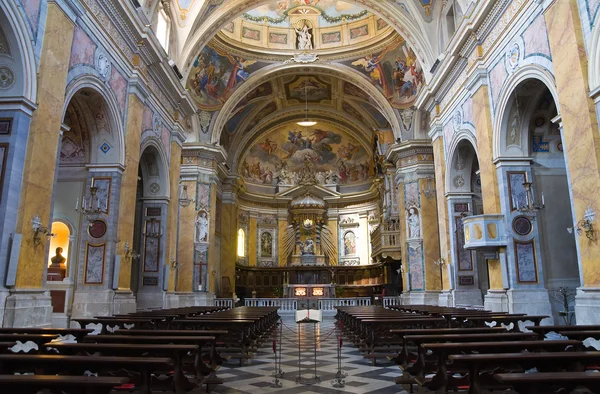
point(58, 268)
point(414, 224)
point(304, 38)
point(266, 244)
point(201, 227)
point(308, 247)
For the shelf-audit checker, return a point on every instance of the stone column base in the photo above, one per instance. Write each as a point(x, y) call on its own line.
point(467, 298)
point(102, 303)
point(446, 298)
point(149, 300)
point(405, 298)
point(425, 297)
point(496, 301)
point(587, 305)
point(531, 302)
point(183, 299)
point(4, 293)
point(28, 308)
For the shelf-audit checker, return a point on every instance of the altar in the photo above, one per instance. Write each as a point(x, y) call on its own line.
point(308, 294)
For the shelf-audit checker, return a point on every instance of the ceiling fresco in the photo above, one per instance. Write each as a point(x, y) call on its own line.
point(216, 74)
point(312, 88)
point(276, 158)
point(395, 71)
point(333, 12)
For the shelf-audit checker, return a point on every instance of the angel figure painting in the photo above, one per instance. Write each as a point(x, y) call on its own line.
point(215, 75)
point(395, 71)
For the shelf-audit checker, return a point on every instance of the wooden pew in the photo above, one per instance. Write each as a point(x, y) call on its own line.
point(28, 384)
point(77, 333)
point(27, 342)
point(550, 382)
point(42, 364)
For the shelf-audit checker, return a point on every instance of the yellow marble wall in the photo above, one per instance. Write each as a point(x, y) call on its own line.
point(581, 139)
point(430, 234)
point(214, 255)
point(252, 238)
point(185, 245)
point(229, 226)
point(403, 250)
point(133, 132)
point(443, 222)
point(333, 226)
point(42, 146)
point(281, 230)
point(485, 133)
point(174, 171)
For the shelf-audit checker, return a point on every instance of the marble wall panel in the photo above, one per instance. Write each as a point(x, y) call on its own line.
point(118, 83)
point(3, 156)
point(526, 264)
point(415, 266)
point(151, 247)
point(32, 10)
point(103, 192)
point(497, 76)
point(465, 261)
point(536, 38)
point(94, 264)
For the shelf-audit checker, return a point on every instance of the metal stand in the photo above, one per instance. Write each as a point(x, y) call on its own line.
point(300, 378)
point(277, 351)
point(339, 379)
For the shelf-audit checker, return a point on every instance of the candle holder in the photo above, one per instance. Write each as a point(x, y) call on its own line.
point(531, 208)
point(585, 225)
point(91, 206)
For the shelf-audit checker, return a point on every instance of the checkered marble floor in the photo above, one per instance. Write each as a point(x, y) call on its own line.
point(256, 376)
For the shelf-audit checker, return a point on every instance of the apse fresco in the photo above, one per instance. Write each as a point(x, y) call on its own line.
point(333, 12)
point(395, 71)
point(215, 75)
point(277, 157)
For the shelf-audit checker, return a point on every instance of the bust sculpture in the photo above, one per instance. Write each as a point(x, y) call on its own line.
point(59, 259)
point(58, 269)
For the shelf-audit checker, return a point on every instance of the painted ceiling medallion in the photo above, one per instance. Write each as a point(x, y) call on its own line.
point(7, 77)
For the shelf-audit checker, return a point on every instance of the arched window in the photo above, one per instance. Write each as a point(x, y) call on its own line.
point(241, 243)
point(163, 28)
point(58, 253)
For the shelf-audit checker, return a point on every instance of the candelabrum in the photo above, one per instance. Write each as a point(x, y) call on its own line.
point(130, 253)
point(39, 230)
point(184, 199)
point(441, 263)
point(531, 208)
point(174, 263)
point(585, 225)
point(91, 206)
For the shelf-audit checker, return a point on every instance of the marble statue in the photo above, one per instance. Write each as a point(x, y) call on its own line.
point(202, 227)
point(304, 39)
point(414, 225)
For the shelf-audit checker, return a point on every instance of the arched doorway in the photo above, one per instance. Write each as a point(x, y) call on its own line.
point(85, 194)
point(464, 199)
point(541, 255)
point(148, 273)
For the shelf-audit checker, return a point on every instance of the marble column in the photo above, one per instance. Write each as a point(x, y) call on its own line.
point(439, 159)
point(29, 305)
point(282, 223)
point(581, 143)
point(124, 300)
point(173, 211)
point(419, 221)
point(229, 227)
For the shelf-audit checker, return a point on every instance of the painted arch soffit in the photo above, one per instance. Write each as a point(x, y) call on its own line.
point(342, 72)
point(216, 14)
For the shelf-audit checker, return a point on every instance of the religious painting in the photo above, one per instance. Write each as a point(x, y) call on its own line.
point(151, 246)
point(266, 244)
point(526, 264)
point(360, 31)
point(331, 38)
point(349, 243)
point(215, 75)
point(377, 116)
point(311, 88)
point(465, 261)
point(94, 264)
point(233, 122)
point(395, 71)
point(332, 155)
point(350, 110)
point(3, 156)
point(355, 92)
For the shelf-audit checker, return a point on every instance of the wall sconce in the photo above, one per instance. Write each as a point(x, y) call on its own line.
point(184, 199)
point(174, 264)
point(441, 263)
point(585, 225)
point(155, 231)
point(38, 228)
point(91, 207)
point(429, 191)
point(130, 253)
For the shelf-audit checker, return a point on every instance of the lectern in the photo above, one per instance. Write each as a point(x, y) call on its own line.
point(307, 345)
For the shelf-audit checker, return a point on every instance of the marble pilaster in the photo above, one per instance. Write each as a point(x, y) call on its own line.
point(443, 225)
point(173, 210)
point(185, 243)
point(229, 226)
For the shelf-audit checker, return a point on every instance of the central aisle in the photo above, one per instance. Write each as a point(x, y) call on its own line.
point(257, 375)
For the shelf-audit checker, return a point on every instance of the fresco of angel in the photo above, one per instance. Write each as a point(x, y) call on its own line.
point(372, 65)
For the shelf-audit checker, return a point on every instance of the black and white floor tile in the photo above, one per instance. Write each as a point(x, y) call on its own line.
point(256, 375)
